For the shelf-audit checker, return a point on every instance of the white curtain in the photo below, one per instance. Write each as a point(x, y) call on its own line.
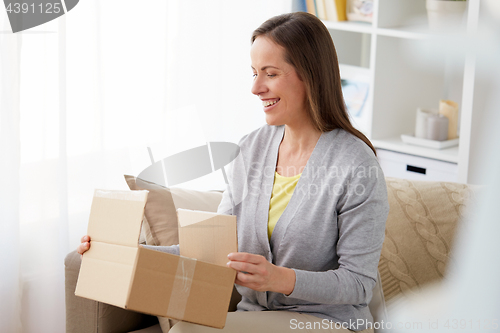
point(81, 97)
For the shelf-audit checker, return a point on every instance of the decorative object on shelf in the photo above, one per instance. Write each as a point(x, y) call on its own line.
point(421, 122)
point(437, 127)
point(360, 10)
point(434, 144)
point(355, 95)
point(449, 109)
point(446, 15)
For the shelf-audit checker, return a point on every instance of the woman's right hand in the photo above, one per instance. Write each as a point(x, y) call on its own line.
point(84, 246)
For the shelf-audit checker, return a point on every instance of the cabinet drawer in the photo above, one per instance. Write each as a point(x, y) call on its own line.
point(406, 166)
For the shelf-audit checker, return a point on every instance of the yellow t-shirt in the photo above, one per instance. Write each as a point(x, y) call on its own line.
point(282, 192)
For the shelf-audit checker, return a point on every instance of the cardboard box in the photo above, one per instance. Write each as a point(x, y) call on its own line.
point(117, 271)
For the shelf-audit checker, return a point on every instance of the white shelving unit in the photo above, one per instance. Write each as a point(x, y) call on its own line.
point(408, 66)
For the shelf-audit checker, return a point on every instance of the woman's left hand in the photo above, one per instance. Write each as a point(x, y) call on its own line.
point(255, 272)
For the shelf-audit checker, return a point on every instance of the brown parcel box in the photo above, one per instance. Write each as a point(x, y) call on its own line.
point(117, 271)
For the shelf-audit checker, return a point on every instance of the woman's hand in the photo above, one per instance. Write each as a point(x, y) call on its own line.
point(84, 246)
point(256, 273)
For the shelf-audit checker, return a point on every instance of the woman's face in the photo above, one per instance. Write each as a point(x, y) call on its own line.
point(277, 84)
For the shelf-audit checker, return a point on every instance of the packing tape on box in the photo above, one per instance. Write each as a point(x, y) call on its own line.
point(181, 287)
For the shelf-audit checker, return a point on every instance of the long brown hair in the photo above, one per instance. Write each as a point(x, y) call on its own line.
point(309, 48)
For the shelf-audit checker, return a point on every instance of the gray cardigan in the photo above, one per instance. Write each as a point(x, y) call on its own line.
point(330, 233)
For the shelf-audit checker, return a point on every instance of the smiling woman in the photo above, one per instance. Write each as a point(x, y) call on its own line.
point(308, 255)
point(309, 240)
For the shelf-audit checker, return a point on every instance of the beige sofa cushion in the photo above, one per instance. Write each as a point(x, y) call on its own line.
point(160, 221)
point(419, 233)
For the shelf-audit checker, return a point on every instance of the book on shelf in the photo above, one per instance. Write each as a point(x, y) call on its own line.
point(301, 6)
point(311, 7)
point(327, 10)
point(320, 8)
point(335, 10)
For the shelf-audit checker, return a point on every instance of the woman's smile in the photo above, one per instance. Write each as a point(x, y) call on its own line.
point(269, 104)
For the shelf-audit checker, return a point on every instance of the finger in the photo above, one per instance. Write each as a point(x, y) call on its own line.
point(246, 257)
point(249, 281)
point(85, 238)
point(83, 247)
point(243, 267)
point(246, 278)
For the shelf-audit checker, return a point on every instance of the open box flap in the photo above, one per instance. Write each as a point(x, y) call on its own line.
point(116, 217)
point(205, 236)
point(188, 216)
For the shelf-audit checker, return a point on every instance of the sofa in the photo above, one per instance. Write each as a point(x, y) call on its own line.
point(420, 229)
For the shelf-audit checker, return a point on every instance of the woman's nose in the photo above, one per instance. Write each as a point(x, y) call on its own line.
point(258, 87)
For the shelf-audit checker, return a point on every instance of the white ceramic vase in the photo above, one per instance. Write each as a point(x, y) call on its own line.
point(446, 15)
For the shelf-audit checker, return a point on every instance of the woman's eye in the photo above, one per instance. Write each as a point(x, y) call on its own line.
point(254, 75)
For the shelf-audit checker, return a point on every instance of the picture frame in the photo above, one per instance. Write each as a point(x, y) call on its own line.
point(360, 10)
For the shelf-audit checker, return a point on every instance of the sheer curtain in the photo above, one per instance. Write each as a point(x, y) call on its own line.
point(81, 97)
